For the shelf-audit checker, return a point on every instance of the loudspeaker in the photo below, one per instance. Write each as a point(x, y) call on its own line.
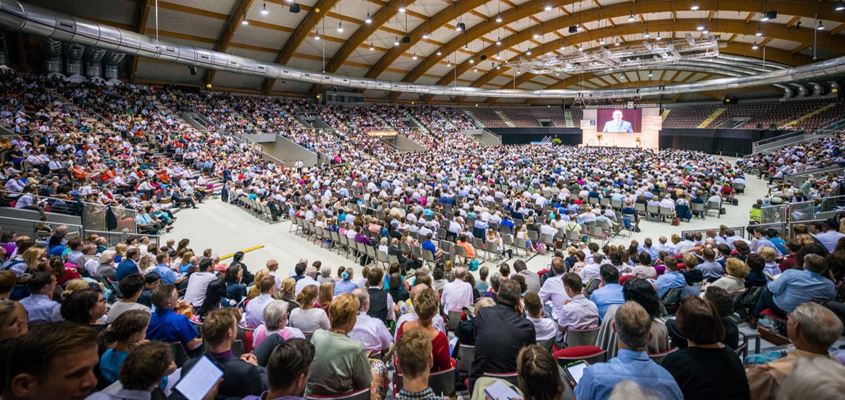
point(573, 29)
point(770, 15)
point(483, 57)
point(406, 39)
point(193, 69)
point(294, 8)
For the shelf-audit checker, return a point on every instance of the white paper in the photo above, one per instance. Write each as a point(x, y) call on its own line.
point(576, 371)
point(199, 380)
point(500, 391)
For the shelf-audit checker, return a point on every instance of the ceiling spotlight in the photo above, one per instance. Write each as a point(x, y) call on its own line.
point(339, 27)
point(631, 18)
point(820, 27)
point(317, 35)
point(536, 36)
point(498, 67)
point(580, 48)
point(294, 8)
point(471, 61)
point(548, 7)
point(528, 53)
point(414, 57)
point(448, 64)
point(475, 70)
point(402, 8)
point(840, 6)
point(758, 34)
point(499, 19)
point(264, 10)
point(755, 47)
point(425, 36)
point(602, 42)
point(658, 37)
point(396, 41)
point(372, 48)
point(498, 42)
point(439, 53)
point(650, 75)
point(368, 20)
point(694, 7)
point(617, 42)
point(244, 21)
point(461, 27)
point(706, 31)
point(699, 27)
point(646, 35)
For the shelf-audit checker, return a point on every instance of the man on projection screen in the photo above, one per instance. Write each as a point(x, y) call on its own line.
point(617, 125)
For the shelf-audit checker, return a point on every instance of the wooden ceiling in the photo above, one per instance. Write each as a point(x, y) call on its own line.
point(358, 37)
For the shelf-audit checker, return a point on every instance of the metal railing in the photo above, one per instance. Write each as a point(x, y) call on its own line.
point(93, 215)
point(32, 227)
point(121, 237)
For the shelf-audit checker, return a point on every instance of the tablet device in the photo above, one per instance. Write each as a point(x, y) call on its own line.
point(575, 371)
point(199, 380)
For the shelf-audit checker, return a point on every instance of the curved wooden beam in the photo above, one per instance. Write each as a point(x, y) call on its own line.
point(311, 20)
point(238, 14)
point(441, 18)
point(623, 9)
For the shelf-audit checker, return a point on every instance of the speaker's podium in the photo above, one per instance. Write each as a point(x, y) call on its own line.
point(647, 138)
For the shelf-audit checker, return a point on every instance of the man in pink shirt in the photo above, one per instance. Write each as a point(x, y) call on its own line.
point(458, 293)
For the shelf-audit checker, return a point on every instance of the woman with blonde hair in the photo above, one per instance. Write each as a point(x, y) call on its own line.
point(253, 290)
point(307, 317)
point(147, 261)
point(185, 262)
point(32, 256)
point(120, 251)
point(340, 363)
point(734, 279)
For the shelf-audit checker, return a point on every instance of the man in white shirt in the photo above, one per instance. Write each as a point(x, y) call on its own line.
point(829, 237)
point(198, 283)
point(254, 311)
point(667, 202)
point(458, 293)
point(369, 331)
point(552, 293)
point(308, 280)
point(578, 313)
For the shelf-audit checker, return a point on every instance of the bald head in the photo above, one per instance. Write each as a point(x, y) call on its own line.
point(558, 266)
point(363, 298)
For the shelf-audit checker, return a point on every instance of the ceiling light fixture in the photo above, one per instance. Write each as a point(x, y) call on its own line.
point(339, 27)
point(368, 20)
point(528, 53)
point(602, 42)
point(402, 8)
point(646, 35)
point(244, 21)
point(700, 27)
point(694, 6)
point(439, 53)
point(548, 7)
point(840, 6)
point(755, 47)
point(658, 37)
point(499, 19)
point(631, 18)
point(264, 9)
point(820, 27)
point(706, 31)
point(414, 57)
point(471, 61)
point(396, 41)
point(317, 35)
point(617, 42)
point(536, 36)
point(460, 27)
point(372, 48)
point(758, 34)
point(498, 42)
point(425, 36)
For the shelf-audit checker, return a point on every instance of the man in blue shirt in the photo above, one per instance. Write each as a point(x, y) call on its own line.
point(428, 245)
point(162, 268)
point(671, 279)
point(797, 286)
point(611, 291)
point(168, 326)
point(632, 363)
point(129, 264)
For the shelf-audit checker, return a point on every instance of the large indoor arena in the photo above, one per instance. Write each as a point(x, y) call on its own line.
point(419, 200)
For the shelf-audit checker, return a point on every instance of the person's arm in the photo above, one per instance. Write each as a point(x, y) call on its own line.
point(779, 285)
point(584, 389)
point(324, 321)
point(361, 373)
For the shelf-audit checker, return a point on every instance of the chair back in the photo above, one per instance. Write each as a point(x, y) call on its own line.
point(658, 357)
point(442, 383)
point(590, 354)
point(179, 353)
point(453, 319)
point(585, 337)
point(510, 377)
point(361, 394)
point(465, 355)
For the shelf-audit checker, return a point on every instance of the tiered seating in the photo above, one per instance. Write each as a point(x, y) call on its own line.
point(553, 113)
point(824, 118)
point(768, 113)
point(577, 115)
point(688, 116)
point(488, 117)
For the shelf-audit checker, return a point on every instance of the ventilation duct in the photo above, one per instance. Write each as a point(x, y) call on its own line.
point(802, 91)
point(73, 61)
point(818, 90)
point(93, 62)
point(52, 56)
point(21, 17)
point(110, 63)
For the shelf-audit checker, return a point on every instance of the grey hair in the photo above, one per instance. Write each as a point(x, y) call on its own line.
point(275, 311)
point(818, 378)
point(326, 271)
point(632, 323)
point(311, 271)
point(363, 298)
point(819, 325)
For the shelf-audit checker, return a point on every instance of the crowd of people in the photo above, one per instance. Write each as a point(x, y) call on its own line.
point(664, 314)
point(124, 317)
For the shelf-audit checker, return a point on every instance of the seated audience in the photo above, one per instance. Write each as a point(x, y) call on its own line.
point(610, 292)
point(13, 320)
point(545, 328)
point(166, 325)
point(579, 313)
point(537, 374)
point(797, 286)
point(121, 336)
point(426, 306)
point(414, 354)
point(142, 371)
point(307, 317)
point(275, 324)
point(371, 332)
point(287, 371)
point(814, 378)
point(131, 288)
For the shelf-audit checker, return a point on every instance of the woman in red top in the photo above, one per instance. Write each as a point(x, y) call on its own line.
point(426, 304)
point(64, 272)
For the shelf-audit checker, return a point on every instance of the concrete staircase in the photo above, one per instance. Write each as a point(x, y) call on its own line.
point(505, 118)
point(473, 117)
point(567, 115)
point(808, 115)
point(711, 118)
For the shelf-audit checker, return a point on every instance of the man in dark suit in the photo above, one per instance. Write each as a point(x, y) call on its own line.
point(129, 264)
point(241, 375)
point(501, 331)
